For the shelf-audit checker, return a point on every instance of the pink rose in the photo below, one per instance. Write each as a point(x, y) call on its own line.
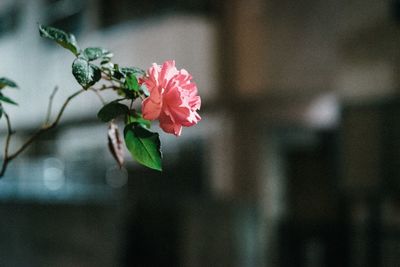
point(173, 97)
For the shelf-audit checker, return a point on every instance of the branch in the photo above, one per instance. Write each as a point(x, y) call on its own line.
point(43, 129)
point(109, 77)
point(105, 87)
point(102, 88)
point(7, 145)
point(47, 121)
point(97, 92)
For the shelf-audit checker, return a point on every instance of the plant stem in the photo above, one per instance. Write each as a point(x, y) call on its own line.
point(97, 92)
point(7, 158)
point(109, 77)
point(47, 121)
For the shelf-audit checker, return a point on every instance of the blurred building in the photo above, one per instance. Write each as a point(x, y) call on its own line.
point(295, 162)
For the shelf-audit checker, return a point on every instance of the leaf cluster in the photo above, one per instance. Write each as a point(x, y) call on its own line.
point(6, 83)
point(94, 64)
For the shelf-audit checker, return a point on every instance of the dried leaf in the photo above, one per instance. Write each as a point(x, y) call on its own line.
point(115, 143)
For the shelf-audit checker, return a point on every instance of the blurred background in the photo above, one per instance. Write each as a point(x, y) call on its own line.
point(295, 163)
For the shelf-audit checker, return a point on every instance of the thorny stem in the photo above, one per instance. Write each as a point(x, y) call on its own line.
point(7, 158)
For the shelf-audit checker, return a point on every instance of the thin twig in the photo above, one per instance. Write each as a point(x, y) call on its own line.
point(113, 86)
point(109, 77)
point(60, 113)
point(105, 87)
point(96, 91)
point(47, 121)
point(43, 129)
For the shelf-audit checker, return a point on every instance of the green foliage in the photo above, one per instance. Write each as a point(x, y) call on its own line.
point(111, 111)
point(93, 53)
point(131, 83)
point(116, 73)
point(5, 99)
point(91, 65)
point(132, 70)
point(66, 40)
point(4, 82)
point(138, 118)
point(107, 68)
point(143, 145)
point(85, 73)
point(124, 72)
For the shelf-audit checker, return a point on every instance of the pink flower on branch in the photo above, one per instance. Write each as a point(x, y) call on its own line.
point(173, 97)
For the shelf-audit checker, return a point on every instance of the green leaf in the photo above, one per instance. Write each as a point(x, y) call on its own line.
point(108, 68)
point(66, 40)
point(138, 118)
point(5, 99)
point(131, 83)
point(111, 111)
point(105, 61)
point(117, 74)
point(143, 145)
point(93, 53)
point(132, 70)
point(85, 73)
point(7, 82)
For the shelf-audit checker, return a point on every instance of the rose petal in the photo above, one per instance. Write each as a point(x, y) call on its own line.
point(150, 109)
point(173, 98)
point(169, 126)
